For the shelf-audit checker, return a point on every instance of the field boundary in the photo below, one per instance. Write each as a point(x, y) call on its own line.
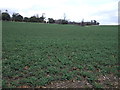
point(0, 50)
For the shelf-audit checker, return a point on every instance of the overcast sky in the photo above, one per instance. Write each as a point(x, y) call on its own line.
point(104, 11)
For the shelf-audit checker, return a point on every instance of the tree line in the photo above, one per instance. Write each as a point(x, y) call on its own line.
point(19, 18)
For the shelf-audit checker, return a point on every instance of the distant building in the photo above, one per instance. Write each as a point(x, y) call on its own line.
point(59, 21)
point(82, 23)
point(93, 22)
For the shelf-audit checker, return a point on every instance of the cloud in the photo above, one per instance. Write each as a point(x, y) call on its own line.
point(107, 14)
point(105, 11)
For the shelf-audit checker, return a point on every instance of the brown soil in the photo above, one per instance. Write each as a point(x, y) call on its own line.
point(69, 84)
point(109, 81)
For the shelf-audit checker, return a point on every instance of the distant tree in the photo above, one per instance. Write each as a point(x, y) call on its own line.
point(37, 18)
point(51, 20)
point(95, 22)
point(82, 23)
point(92, 22)
point(33, 19)
point(41, 19)
point(26, 19)
point(14, 16)
point(44, 22)
point(59, 21)
point(17, 17)
point(98, 23)
point(5, 16)
point(64, 22)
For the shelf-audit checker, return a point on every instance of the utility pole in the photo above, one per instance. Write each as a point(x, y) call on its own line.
point(82, 23)
point(64, 16)
point(43, 17)
point(0, 15)
point(43, 14)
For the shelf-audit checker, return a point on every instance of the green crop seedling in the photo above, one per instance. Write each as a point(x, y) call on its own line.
point(37, 54)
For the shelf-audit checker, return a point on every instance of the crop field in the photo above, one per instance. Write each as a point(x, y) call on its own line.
point(51, 55)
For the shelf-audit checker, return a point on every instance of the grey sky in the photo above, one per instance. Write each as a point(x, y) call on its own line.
point(104, 11)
